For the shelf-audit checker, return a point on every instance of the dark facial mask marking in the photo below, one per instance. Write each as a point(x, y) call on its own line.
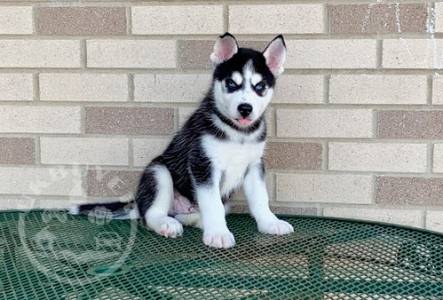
point(231, 86)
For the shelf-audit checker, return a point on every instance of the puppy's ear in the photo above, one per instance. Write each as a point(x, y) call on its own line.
point(275, 55)
point(225, 47)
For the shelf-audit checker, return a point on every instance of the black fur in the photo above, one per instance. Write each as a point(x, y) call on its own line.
point(147, 189)
point(238, 61)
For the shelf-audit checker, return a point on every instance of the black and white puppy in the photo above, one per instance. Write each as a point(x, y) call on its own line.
point(219, 148)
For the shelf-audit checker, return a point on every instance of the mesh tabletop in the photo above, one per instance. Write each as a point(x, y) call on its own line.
point(52, 255)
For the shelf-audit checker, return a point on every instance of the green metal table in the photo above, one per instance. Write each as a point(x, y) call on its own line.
point(52, 255)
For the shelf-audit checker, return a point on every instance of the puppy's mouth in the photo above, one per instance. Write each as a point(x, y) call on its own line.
point(243, 121)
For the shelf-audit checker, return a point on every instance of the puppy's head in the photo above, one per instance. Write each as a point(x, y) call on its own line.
point(244, 79)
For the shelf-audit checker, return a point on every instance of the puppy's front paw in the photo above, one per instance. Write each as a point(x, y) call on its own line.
point(219, 239)
point(167, 227)
point(276, 226)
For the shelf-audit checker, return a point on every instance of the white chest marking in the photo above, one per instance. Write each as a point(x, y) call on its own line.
point(232, 160)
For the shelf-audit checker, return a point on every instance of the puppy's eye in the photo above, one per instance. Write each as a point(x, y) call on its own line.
point(231, 85)
point(260, 87)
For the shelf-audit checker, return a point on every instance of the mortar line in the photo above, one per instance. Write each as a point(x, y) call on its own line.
point(374, 189)
point(379, 54)
point(131, 88)
point(325, 156)
point(429, 90)
point(83, 54)
point(37, 150)
point(240, 36)
point(225, 18)
point(177, 70)
point(424, 217)
point(128, 11)
point(430, 160)
point(36, 86)
point(130, 153)
point(326, 88)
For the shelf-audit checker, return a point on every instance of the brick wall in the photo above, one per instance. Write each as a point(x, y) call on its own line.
point(91, 91)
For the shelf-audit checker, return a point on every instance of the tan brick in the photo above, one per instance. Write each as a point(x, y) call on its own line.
point(84, 151)
point(299, 89)
point(437, 90)
point(41, 181)
point(291, 18)
point(16, 87)
point(39, 54)
point(405, 217)
point(171, 87)
point(184, 113)
point(378, 18)
point(28, 203)
point(331, 54)
point(153, 54)
point(83, 87)
point(39, 119)
point(410, 124)
point(409, 190)
point(112, 183)
point(80, 20)
point(129, 120)
point(190, 19)
point(300, 156)
point(412, 53)
point(16, 20)
point(434, 220)
point(294, 211)
point(438, 11)
point(438, 158)
point(379, 157)
point(324, 123)
point(324, 188)
point(17, 151)
point(194, 54)
point(378, 89)
point(145, 150)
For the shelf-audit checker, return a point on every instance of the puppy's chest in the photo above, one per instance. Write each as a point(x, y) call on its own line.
point(232, 159)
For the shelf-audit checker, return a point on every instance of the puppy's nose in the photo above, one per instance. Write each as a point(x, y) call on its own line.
point(244, 109)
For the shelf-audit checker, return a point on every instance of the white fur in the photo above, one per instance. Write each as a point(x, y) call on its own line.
point(215, 231)
point(193, 219)
point(237, 77)
point(231, 159)
point(258, 201)
point(74, 210)
point(156, 216)
point(256, 78)
point(133, 214)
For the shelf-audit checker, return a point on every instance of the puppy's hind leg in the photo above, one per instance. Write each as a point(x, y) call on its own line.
point(154, 199)
point(195, 219)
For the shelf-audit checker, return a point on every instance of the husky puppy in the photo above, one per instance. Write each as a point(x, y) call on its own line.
point(219, 148)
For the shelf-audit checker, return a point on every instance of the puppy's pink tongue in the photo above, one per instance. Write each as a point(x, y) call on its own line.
point(244, 121)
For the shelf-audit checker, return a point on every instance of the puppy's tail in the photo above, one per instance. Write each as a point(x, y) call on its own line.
point(113, 210)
